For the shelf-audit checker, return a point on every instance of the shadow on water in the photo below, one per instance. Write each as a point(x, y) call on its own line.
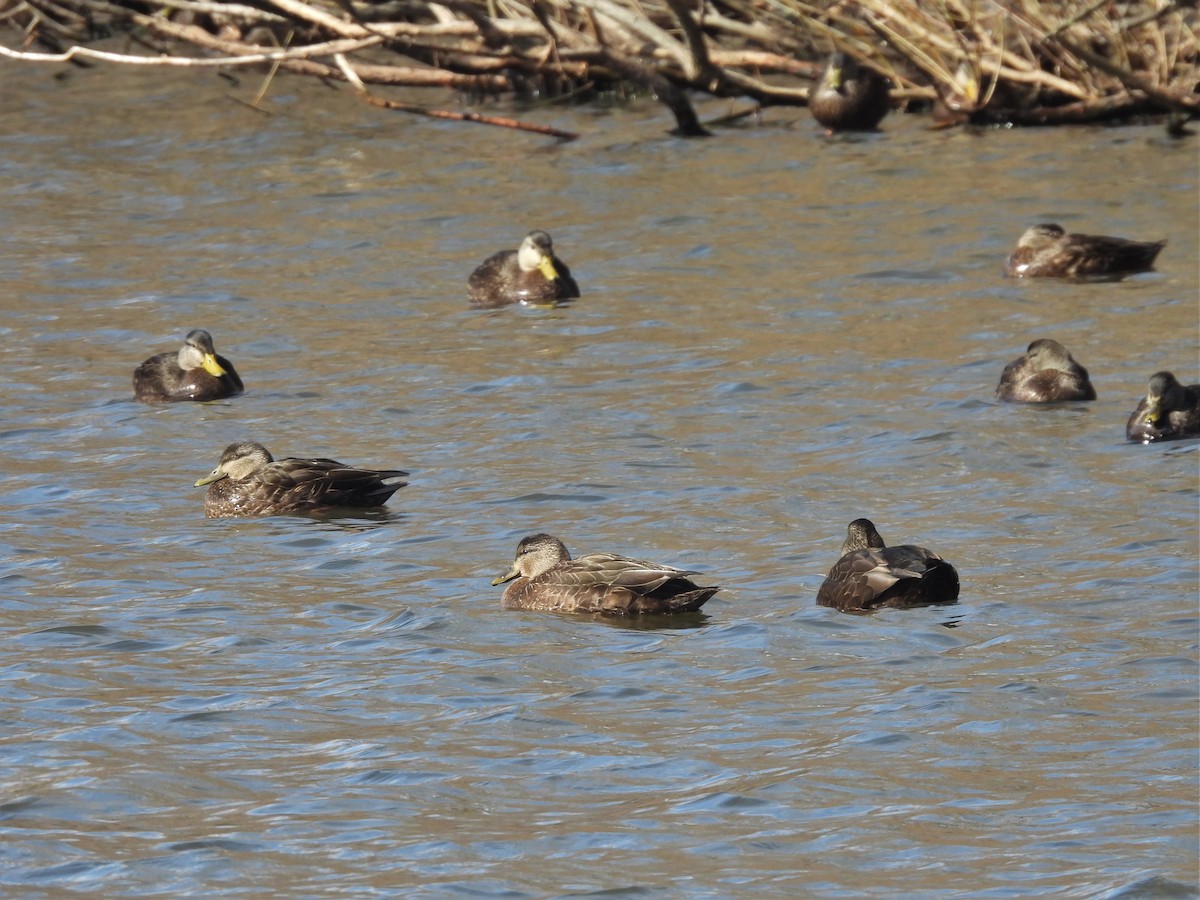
point(677, 622)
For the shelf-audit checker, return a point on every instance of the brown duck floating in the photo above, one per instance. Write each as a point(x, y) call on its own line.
point(531, 274)
point(549, 580)
point(849, 96)
point(1168, 411)
point(1046, 373)
point(871, 575)
point(248, 481)
point(1048, 251)
point(195, 372)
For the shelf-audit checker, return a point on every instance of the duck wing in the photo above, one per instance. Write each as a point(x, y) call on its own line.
point(617, 585)
point(1097, 254)
point(316, 483)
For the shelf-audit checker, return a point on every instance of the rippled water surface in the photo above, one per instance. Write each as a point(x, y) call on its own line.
point(779, 332)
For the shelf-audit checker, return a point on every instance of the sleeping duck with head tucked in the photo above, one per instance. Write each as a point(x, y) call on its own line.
point(870, 575)
point(249, 481)
point(1049, 251)
point(195, 372)
point(547, 579)
point(1045, 373)
point(531, 274)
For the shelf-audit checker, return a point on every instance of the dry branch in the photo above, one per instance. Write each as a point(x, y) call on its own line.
point(1017, 61)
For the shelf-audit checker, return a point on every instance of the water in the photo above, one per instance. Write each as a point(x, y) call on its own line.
point(778, 333)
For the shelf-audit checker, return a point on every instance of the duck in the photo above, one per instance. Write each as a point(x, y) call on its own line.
point(849, 96)
point(870, 575)
point(549, 580)
point(249, 481)
point(1048, 251)
point(1169, 411)
point(195, 372)
point(1045, 373)
point(531, 274)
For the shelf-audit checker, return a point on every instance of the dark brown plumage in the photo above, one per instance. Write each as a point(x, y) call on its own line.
point(194, 372)
point(1048, 251)
point(849, 96)
point(1167, 412)
point(531, 274)
point(870, 575)
point(248, 481)
point(1046, 373)
point(549, 580)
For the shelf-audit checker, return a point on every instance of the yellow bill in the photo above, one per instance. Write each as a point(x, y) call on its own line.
point(211, 366)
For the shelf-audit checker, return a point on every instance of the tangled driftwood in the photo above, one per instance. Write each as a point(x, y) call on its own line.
point(983, 61)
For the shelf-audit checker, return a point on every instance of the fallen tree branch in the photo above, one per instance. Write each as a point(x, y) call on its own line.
point(477, 118)
point(233, 59)
point(1025, 61)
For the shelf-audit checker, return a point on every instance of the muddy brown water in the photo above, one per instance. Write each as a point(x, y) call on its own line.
point(778, 333)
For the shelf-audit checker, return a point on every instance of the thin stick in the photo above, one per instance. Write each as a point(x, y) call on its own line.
point(247, 59)
point(477, 118)
point(275, 68)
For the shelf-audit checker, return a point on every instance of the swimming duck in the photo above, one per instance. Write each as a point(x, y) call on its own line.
point(531, 274)
point(548, 579)
point(871, 575)
point(196, 372)
point(849, 96)
point(248, 481)
point(1048, 251)
point(1046, 373)
point(1167, 412)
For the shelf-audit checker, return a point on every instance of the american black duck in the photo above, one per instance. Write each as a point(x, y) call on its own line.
point(871, 575)
point(849, 96)
point(248, 481)
point(195, 372)
point(1048, 251)
point(1167, 412)
point(1046, 373)
point(549, 580)
point(531, 274)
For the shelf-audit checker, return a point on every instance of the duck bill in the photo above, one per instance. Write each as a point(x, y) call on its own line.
point(507, 576)
point(214, 475)
point(546, 267)
point(1153, 412)
point(211, 366)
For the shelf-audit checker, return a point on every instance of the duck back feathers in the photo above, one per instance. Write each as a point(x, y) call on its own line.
point(549, 580)
point(1045, 373)
point(1049, 251)
point(248, 481)
point(871, 576)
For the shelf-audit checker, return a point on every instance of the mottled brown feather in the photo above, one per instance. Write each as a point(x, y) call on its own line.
point(249, 482)
point(1048, 251)
point(1045, 373)
point(871, 576)
point(549, 580)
